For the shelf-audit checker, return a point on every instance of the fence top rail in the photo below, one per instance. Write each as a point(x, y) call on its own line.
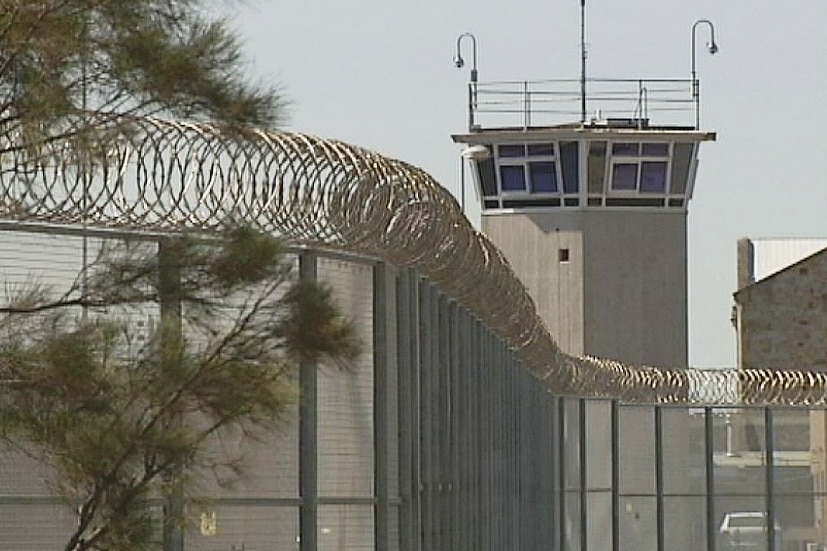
point(155, 176)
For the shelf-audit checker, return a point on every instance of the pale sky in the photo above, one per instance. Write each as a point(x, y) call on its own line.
point(379, 74)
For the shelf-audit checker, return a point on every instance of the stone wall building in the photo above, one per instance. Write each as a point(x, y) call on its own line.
point(781, 318)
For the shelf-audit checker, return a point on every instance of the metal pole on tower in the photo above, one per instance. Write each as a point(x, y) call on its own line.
point(582, 61)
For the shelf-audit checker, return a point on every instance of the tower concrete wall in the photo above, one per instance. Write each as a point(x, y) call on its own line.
point(636, 286)
point(608, 283)
point(532, 244)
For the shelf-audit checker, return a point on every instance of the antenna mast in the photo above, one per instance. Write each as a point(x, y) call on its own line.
point(582, 61)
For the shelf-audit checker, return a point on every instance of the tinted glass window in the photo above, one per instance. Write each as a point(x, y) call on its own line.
point(624, 177)
point(540, 149)
point(656, 150)
point(512, 178)
point(570, 165)
point(543, 177)
point(680, 167)
point(626, 149)
point(653, 177)
point(488, 180)
point(596, 166)
point(511, 150)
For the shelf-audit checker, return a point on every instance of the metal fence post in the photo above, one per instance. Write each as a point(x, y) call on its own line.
point(169, 297)
point(407, 324)
point(308, 434)
point(382, 364)
point(659, 498)
point(710, 480)
point(770, 478)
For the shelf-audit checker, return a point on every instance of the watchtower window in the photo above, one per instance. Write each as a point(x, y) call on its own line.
point(541, 150)
point(618, 170)
point(622, 149)
point(510, 150)
point(512, 178)
point(596, 167)
point(530, 168)
point(624, 176)
point(639, 167)
point(681, 167)
point(655, 150)
point(653, 176)
point(543, 177)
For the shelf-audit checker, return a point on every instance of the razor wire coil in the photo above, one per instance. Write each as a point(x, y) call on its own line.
point(148, 174)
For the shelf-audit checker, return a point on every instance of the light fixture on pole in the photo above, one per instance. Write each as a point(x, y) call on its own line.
point(712, 48)
point(582, 61)
point(460, 63)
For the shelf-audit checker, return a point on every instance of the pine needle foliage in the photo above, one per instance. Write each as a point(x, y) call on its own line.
point(120, 421)
point(61, 58)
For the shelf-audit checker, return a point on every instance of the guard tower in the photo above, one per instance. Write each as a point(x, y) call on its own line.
point(592, 214)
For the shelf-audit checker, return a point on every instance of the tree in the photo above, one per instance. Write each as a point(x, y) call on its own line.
point(61, 58)
point(113, 417)
point(120, 420)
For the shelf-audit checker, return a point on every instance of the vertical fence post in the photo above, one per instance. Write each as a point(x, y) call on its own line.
point(445, 517)
point(584, 459)
point(169, 297)
point(382, 362)
point(659, 500)
point(455, 503)
point(561, 473)
point(408, 409)
point(308, 434)
point(710, 479)
point(770, 478)
point(615, 428)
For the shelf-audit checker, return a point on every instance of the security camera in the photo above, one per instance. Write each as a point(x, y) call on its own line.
point(712, 47)
point(459, 62)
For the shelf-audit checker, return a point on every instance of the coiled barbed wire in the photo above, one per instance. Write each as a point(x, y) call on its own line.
point(153, 175)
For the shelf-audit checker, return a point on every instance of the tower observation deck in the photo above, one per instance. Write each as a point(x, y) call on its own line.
point(591, 214)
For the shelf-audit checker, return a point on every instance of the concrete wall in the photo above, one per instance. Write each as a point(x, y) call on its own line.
point(532, 244)
point(636, 287)
point(621, 294)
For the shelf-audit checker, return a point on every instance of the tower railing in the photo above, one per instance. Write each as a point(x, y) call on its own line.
point(542, 103)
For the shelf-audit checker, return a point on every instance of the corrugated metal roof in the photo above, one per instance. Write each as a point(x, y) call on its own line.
point(773, 255)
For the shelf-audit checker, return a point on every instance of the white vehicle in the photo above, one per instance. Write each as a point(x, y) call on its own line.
point(748, 531)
